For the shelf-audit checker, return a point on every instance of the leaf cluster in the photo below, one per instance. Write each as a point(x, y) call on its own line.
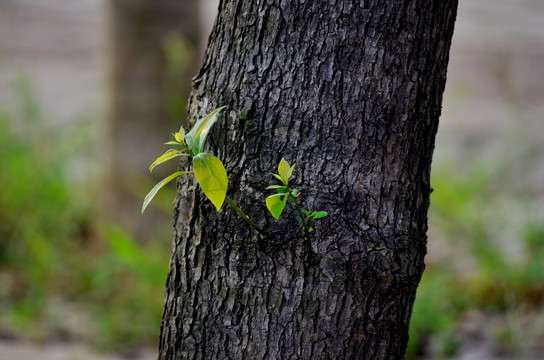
point(276, 203)
point(208, 170)
point(212, 177)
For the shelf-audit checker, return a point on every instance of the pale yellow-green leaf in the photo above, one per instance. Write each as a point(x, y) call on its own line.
point(212, 177)
point(283, 170)
point(276, 204)
point(168, 155)
point(279, 178)
point(274, 187)
point(157, 187)
point(290, 172)
point(198, 134)
point(178, 137)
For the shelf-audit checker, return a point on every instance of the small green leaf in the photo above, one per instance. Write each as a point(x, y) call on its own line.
point(290, 172)
point(284, 170)
point(157, 187)
point(320, 214)
point(280, 178)
point(197, 136)
point(307, 213)
point(276, 204)
point(310, 229)
point(212, 177)
point(171, 143)
point(274, 187)
point(168, 155)
point(179, 138)
point(295, 192)
point(282, 190)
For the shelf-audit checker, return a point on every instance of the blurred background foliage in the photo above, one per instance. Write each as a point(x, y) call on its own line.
point(71, 272)
point(487, 281)
point(63, 274)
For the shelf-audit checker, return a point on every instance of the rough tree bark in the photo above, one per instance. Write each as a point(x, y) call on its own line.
point(351, 91)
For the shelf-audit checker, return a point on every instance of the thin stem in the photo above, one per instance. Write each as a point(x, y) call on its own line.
point(245, 217)
point(306, 228)
point(190, 151)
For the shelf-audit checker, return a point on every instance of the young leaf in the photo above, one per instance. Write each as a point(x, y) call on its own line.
point(179, 137)
point(290, 172)
point(276, 204)
point(171, 143)
point(168, 155)
point(320, 214)
point(198, 134)
point(284, 170)
point(157, 187)
point(212, 177)
point(280, 178)
point(181, 132)
point(274, 187)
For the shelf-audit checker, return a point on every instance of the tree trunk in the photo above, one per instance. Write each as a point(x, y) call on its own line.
point(351, 92)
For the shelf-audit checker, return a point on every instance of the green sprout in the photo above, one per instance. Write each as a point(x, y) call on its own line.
point(276, 203)
point(212, 177)
point(208, 170)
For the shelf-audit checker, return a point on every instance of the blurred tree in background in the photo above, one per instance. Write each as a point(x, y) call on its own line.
point(154, 50)
point(68, 271)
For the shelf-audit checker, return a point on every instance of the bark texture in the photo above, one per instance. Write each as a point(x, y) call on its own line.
point(351, 91)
